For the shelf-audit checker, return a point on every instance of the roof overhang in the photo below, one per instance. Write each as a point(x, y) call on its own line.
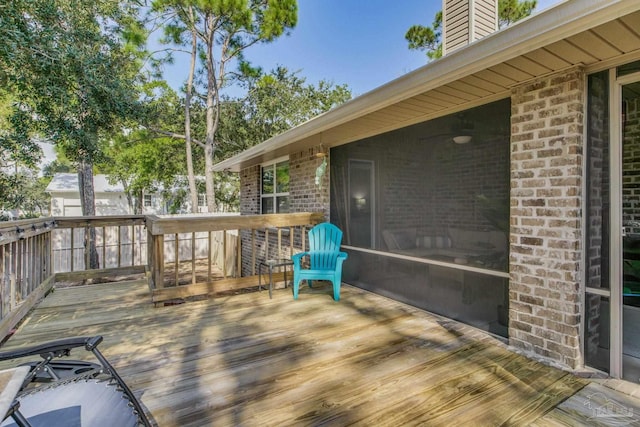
point(585, 33)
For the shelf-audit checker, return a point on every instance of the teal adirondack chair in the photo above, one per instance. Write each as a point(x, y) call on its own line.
point(324, 256)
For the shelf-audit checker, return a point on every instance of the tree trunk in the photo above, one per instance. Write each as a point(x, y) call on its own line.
point(130, 197)
point(138, 208)
point(213, 106)
point(193, 191)
point(87, 201)
point(209, 152)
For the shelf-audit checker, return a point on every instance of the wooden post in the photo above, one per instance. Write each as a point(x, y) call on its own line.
point(158, 260)
point(239, 256)
point(133, 245)
point(14, 276)
point(291, 231)
point(253, 251)
point(279, 243)
point(193, 258)
point(119, 246)
point(3, 293)
point(150, 259)
point(104, 248)
point(303, 231)
point(19, 267)
point(224, 254)
point(49, 248)
point(87, 244)
point(176, 256)
point(72, 243)
point(209, 258)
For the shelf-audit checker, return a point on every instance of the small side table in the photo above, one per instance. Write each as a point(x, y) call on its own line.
point(272, 264)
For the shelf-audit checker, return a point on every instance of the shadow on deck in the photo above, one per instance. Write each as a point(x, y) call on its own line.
point(367, 360)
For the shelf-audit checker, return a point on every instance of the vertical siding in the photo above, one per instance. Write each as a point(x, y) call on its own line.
point(464, 21)
point(485, 16)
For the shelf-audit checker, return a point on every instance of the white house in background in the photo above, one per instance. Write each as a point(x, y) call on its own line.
point(65, 197)
point(110, 199)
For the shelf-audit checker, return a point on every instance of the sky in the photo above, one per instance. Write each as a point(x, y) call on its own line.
point(355, 42)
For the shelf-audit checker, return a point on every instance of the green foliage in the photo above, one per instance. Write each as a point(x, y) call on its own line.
point(510, 11)
point(69, 66)
point(57, 166)
point(72, 69)
point(429, 39)
point(426, 38)
point(24, 191)
point(223, 30)
point(141, 161)
point(275, 103)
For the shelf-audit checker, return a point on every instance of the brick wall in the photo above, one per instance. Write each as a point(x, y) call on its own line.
point(250, 191)
point(546, 191)
point(304, 196)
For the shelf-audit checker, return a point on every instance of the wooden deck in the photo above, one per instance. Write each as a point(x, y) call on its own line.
point(248, 360)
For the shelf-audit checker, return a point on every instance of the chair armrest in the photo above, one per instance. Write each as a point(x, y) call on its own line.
point(297, 258)
point(340, 259)
point(58, 348)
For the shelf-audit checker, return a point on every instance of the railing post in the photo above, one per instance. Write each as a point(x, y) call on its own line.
point(14, 275)
point(150, 256)
point(3, 281)
point(158, 261)
point(239, 255)
point(72, 244)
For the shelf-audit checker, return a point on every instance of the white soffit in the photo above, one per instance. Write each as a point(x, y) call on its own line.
point(575, 32)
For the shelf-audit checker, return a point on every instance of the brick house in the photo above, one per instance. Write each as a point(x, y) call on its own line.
point(496, 185)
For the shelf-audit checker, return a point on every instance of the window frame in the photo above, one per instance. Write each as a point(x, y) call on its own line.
point(147, 201)
point(273, 164)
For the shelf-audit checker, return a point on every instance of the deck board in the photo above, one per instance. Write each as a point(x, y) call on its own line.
point(250, 360)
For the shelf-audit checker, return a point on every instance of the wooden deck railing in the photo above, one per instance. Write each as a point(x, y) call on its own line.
point(26, 273)
point(182, 256)
point(233, 246)
point(120, 243)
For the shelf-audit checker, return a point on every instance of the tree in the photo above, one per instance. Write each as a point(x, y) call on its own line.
point(275, 103)
point(142, 159)
point(72, 69)
point(510, 11)
point(428, 39)
point(142, 162)
point(224, 30)
point(18, 151)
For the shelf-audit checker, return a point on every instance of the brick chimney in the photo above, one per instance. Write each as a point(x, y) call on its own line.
point(465, 21)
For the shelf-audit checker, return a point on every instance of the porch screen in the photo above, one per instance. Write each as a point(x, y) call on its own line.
point(437, 190)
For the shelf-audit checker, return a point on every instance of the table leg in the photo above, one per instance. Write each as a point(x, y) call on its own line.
point(270, 280)
point(260, 277)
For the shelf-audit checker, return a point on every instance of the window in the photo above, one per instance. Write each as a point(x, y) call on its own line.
point(274, 191)
point(202, 200)
point(147, 201)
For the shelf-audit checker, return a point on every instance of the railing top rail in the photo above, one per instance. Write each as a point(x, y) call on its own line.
point(15, 230)
point(22, 223)
point(98, 221)
point(10, 231)
point(174, 225)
